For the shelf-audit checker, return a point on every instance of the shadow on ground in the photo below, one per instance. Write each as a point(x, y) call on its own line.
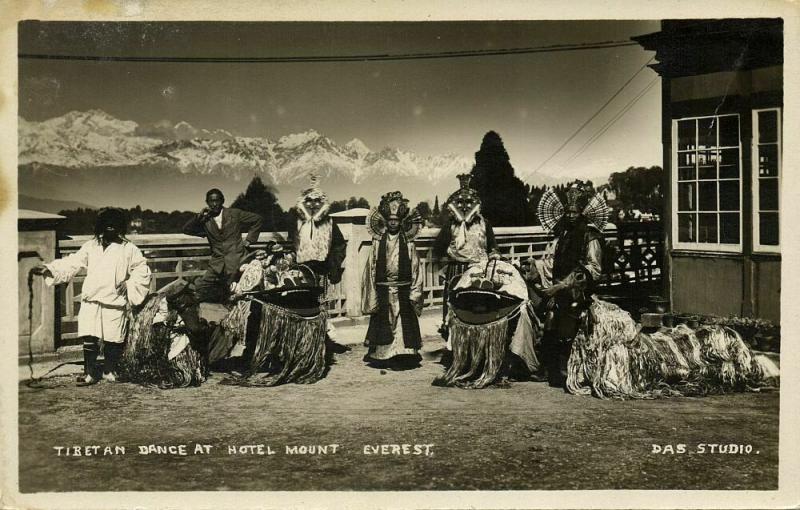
point(526, 436)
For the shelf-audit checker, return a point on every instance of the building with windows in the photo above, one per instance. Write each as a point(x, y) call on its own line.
point(722, 98)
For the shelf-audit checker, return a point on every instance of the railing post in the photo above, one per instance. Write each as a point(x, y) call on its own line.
point(38, 317)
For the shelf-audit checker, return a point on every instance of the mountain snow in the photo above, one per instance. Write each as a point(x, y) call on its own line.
point(83, 140)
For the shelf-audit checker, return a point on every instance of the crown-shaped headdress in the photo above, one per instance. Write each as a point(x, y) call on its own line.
point(464, 189)
point(394, 206)
point(581, 196)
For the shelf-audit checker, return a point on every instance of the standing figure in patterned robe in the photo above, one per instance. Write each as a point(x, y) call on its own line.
point(566, 278)
point(315, 240)
point(391, 291)
point(467, 238)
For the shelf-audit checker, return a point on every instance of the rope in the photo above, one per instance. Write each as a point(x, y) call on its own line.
point(33, 381)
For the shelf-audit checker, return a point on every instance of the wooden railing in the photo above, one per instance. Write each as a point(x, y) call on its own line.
point(639, 250)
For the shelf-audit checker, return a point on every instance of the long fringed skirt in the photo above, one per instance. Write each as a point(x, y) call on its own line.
point(288, 348)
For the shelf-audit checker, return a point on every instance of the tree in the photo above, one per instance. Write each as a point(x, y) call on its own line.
point(260, 199)
point(503, 199)
point(424, 210)
point(351, 203)
point(638, 188)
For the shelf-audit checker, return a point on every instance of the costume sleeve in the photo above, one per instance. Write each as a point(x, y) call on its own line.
point(544, 265)
point(594, 259)
point(138, 282)
point(491, 242)
point(415, 294)
point(369, 296)
point(66, 268)
point(336, 255)
point(194, 227)
point(442, 241)
point(252, 222)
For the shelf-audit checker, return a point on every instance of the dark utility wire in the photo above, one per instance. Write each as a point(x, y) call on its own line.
point(339, 58)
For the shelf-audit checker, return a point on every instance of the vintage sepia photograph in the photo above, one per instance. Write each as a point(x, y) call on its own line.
point(487, 255)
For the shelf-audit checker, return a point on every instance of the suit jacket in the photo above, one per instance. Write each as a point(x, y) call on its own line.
point(227, 247)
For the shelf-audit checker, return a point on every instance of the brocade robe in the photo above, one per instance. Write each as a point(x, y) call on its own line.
point(393, 328)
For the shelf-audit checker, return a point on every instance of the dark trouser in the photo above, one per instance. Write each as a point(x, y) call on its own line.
point(112, 352)
point(91, 348)
point(555, 354)
point(212, 287)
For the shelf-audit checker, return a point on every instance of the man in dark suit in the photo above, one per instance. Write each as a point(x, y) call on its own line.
point(223, 229)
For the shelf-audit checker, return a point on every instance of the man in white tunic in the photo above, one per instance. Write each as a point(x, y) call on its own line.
point(117, 278)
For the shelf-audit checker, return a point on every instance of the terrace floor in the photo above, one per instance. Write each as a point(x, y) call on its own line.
point(526, 436)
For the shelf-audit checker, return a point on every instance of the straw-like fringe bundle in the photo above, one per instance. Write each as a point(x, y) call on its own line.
point(616, 360)
point(293, 345)
point(478, 353)
point(233, 327)
point(144, 360)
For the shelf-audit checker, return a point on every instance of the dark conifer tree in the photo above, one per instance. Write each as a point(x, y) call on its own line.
point(503, 197)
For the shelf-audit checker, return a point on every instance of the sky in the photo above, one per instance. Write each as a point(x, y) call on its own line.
point(429, 106)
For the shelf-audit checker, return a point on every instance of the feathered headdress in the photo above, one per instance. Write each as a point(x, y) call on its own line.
point(394, 206)
point(313, 192)
point(590, 204)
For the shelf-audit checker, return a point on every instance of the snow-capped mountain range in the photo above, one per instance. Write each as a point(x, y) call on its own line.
point(96, 158)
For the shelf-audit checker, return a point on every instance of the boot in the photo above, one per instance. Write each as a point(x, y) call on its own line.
point(550, 359)
point(113, 352)
point(565, 348)
point(91, 349)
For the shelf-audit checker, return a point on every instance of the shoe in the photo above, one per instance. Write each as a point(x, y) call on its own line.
point(88, 380)
point(110, 377)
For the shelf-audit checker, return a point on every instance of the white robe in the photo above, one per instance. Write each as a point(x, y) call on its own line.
point(115, 278)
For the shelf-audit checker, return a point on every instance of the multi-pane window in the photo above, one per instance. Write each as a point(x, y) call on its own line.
point(708, 188)
point(766, 178)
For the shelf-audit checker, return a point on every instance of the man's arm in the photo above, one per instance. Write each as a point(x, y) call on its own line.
point(194, 227)
point(252, 222)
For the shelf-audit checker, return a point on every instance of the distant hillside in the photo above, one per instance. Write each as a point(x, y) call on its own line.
point(49, 205)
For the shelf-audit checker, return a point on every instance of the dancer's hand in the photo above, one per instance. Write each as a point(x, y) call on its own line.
point(42, 270)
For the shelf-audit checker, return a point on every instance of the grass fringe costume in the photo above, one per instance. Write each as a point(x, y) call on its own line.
point(612, 358)
point(162, 350)
point(285, 340)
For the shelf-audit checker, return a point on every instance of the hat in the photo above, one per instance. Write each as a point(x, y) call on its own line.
point(393, 206)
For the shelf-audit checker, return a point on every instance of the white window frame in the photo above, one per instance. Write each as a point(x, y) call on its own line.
point(757, 246)
point(705, 247)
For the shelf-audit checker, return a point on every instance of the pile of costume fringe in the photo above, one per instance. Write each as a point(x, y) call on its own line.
point(159, 351)
point(615, 359)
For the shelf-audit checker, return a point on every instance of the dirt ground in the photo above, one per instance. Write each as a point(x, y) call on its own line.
point(526, 436)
